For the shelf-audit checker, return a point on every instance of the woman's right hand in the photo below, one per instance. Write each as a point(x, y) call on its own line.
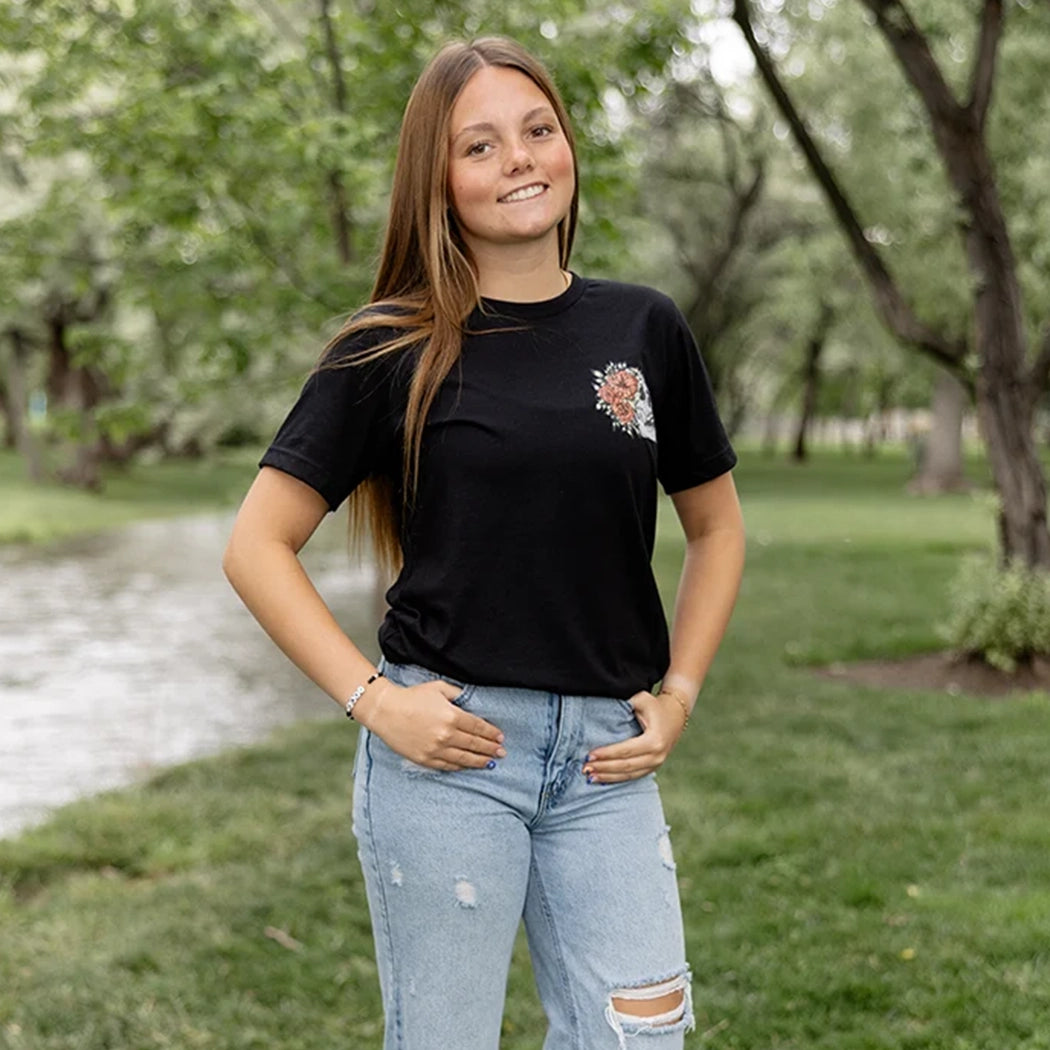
point(421, 723)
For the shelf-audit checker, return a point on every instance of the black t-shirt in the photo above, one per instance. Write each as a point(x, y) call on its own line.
point(527, 555)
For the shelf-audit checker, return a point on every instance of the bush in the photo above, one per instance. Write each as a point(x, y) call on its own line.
point(1000, 614)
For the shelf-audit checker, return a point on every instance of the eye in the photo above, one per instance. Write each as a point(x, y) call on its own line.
point(478, 149)
point(542, 131)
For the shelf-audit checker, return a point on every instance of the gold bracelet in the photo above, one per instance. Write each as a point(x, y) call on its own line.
point(678, 700)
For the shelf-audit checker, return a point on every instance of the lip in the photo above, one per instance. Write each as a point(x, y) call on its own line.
point(518, 189)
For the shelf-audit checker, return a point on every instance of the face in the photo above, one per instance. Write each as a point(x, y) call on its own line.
point(510, 171)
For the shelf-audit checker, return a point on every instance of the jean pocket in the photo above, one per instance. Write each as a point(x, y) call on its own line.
point(628, 708)
point(466, 695)
point(412, 674)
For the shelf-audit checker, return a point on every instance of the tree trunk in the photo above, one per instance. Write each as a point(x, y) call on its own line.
point(1019, 480)
point(8, 410)
point(940, 462)
point(75, 388)
point(338, 206)
point(811, 381)
point(15, 401)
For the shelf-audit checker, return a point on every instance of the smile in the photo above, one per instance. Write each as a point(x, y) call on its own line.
point(524, 194)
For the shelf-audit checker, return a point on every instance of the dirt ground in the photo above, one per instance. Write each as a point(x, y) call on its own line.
point(943, 672)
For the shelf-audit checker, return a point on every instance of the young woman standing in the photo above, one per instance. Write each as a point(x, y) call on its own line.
point(501, 424)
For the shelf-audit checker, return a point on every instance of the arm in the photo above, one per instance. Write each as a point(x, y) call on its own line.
point(707, 590)
point(279, 514)
point(714, 562)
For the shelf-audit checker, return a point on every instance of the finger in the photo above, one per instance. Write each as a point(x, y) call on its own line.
point(461, 759)
point(620, 778)
point(447, 689)
point(636, 745)
point(475, 726)
point(476, 744)
point(623, 769)
point(627, 765)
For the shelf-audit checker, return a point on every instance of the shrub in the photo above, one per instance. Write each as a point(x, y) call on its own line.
point(1000, 614)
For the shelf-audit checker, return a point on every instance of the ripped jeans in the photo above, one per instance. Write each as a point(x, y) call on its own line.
point(454, 860)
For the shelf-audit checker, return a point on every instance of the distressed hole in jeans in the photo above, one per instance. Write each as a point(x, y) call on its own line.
point(466, 895)
point(645, 1009)
point(664, 846)
point(397, 876)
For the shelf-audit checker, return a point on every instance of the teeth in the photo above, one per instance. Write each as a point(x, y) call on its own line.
point(524, 193)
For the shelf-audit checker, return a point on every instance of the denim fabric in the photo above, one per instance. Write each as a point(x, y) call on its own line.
point(454, 860)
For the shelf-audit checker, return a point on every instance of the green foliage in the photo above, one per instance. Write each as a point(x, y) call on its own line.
point(180, 158)
point(1000, 614)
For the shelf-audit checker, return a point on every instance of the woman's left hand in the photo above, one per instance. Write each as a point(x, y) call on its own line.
point(662, 720)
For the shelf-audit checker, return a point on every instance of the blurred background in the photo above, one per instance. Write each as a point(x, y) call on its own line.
point(850, 202)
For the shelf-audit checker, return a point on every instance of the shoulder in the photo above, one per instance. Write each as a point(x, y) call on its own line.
point(371, 336)
point(638, 299)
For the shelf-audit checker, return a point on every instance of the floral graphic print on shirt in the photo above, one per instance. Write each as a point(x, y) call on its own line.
point(623, 396)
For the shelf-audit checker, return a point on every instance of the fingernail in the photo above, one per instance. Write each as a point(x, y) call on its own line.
point(501, 752)
point(590, 758)
point(590, 778)
point(587, 771)
point(490, 764)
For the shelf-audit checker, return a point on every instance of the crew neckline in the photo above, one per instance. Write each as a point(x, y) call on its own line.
point(526, 311)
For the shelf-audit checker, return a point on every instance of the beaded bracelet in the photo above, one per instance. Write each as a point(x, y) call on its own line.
point(357, 694)
point(678, 700)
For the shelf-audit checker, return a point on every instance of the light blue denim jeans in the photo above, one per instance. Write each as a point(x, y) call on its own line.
point(454, 860)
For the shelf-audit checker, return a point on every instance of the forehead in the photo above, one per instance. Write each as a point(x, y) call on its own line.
point(494, 94)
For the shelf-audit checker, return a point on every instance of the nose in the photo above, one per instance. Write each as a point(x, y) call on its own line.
point(519, 158)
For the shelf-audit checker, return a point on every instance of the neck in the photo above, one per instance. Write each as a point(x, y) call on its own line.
point(521, 276)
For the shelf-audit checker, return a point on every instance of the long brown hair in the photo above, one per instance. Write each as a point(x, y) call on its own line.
point(426, 275)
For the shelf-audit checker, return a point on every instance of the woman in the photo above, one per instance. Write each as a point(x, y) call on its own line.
point(501, 424)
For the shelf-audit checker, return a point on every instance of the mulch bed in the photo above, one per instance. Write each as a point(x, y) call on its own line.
point(943, 672)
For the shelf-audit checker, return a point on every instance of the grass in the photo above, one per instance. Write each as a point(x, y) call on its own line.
point(36, 513)
point(860, 869)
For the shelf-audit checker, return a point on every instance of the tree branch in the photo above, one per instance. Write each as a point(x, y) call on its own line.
point(913, 53)
point(983, 76)
point(896, 313)
point(341, 224)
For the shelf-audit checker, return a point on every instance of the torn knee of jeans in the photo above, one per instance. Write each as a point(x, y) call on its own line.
point(651, 1007)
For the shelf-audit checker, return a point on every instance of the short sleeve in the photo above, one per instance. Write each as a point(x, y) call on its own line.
point(692, 445)
point(344, 423)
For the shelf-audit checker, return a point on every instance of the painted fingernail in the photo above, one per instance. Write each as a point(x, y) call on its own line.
point(590, 758)
point(490, 764)
point(590, 779)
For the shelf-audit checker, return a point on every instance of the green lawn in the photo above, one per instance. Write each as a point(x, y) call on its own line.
point(37, 513)
point(860, 868)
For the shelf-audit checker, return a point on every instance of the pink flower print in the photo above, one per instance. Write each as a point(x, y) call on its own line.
point(624, 397)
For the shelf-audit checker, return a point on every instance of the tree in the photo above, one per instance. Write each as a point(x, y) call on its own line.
point(1009, 382)
point(219, 171)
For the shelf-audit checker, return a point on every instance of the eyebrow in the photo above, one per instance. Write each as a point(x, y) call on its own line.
point(487, 126)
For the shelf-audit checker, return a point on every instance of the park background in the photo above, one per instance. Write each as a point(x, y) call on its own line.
point(849, 200)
